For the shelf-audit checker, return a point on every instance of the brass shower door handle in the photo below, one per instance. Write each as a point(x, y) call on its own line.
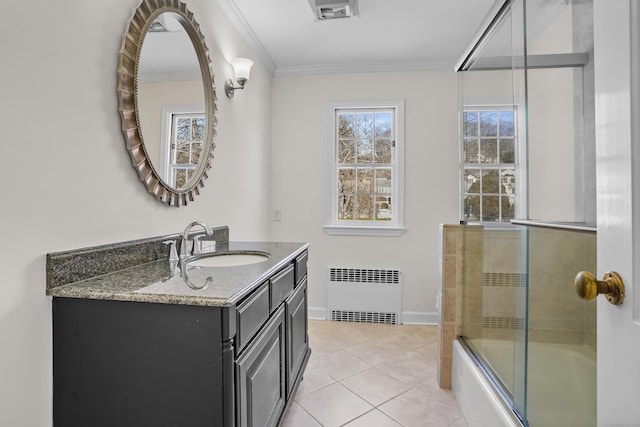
point(588, 287)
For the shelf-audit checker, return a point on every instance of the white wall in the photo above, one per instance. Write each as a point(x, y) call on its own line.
point(67, 177)
point(299, 180)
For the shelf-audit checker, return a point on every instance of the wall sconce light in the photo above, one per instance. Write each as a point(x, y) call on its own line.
point(241, 68)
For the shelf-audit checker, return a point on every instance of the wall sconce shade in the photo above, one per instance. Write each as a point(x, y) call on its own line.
point(241, 69)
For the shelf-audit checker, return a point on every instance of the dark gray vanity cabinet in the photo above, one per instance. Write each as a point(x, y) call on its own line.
point(261, 376)
point(138, 364)
point(133, 364)
point(268, 368)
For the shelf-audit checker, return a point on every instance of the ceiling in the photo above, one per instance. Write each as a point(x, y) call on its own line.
point(388, 35)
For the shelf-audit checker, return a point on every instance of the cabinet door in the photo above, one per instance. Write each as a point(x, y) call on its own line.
point(297, 336)
point(260, 375)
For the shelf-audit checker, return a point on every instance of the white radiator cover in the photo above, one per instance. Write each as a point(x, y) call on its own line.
point(364, 295)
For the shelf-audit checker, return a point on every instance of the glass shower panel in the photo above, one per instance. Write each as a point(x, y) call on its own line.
point(493, 325)
point(493, 111)
point(561, 330)
point(521, 319)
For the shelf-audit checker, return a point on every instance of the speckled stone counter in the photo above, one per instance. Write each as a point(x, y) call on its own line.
point(148, 277)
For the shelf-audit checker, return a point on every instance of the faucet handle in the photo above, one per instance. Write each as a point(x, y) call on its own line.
point(197, 245)
point(173, 253)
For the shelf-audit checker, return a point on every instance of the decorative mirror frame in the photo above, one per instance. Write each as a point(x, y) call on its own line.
point(128, 62)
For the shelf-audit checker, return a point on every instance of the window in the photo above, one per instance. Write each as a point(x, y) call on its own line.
point(183, 135)
point(365, 168)
point(489, 174)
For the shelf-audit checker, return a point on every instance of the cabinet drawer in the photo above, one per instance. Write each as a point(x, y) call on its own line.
point(301, 267)
point(251, 314)
point(281, 286)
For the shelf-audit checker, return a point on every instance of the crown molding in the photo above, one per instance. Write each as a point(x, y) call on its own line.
point(363, 67)
point(240, 23)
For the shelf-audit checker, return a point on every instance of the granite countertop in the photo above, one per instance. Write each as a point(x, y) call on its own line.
point(155, 282)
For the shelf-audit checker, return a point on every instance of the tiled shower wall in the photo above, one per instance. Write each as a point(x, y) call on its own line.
point(484, 273)
point(457, 240)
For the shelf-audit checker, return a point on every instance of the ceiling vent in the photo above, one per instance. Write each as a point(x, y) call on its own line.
point(334, 9)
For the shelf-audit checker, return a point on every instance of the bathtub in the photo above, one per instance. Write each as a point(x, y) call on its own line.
point(561, 385)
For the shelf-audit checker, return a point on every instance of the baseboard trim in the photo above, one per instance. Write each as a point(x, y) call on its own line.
point(318, 313)
point(420, 318)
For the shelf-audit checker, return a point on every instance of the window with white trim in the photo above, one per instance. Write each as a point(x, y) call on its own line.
point(489, 157)
point(365, 170)
point(183, 132)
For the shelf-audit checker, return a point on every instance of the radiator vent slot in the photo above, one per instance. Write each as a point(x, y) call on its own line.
point(364, 295)
point(364, 275)
point(364, 317)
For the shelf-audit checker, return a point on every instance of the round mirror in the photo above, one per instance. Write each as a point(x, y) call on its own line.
point(167, 100)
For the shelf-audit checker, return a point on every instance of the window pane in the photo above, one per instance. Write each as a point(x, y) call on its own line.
point(507, 151)
point(365, 180)
point(196, 150)
point(490, 181)
point(181, 178)
point(490, 208)
point(345, 125)
point(364, 207)
point(471, 150)
point(383, 125)
point(488, 123)
point(470, 124)
point(365, 157)
point(508, 204)
point(383, 151)
point(198, 129)
point(506, 123)
point(183, 129)
point(472, 208)
point(489, 151)
point(383, 208)
point(383, 181)
point(346, 151)
point(364, 125)
point(472, 180)
point(346, 180)
point(182, 153)
point(508, 178)
point(365, 151)
point(345, 207)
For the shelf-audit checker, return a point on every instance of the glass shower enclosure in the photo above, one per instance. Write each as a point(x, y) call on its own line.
point(527, 191)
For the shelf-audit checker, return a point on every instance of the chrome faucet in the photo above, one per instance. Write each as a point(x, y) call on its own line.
point(184, 252)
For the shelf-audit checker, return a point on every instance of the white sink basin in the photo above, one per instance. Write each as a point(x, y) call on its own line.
point(228, 260)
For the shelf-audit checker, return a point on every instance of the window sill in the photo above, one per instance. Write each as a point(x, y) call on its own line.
point(346, 230)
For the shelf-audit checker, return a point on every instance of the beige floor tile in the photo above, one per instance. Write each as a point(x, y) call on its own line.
point(322, 346)
point(420, 407)
point(298, 417)
point(342, 337)
point(334, 405)
point(313, 380)
point(338, 365)
point(375, 352)
point(415, 366)
point(373, 418)
point(375, 386)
